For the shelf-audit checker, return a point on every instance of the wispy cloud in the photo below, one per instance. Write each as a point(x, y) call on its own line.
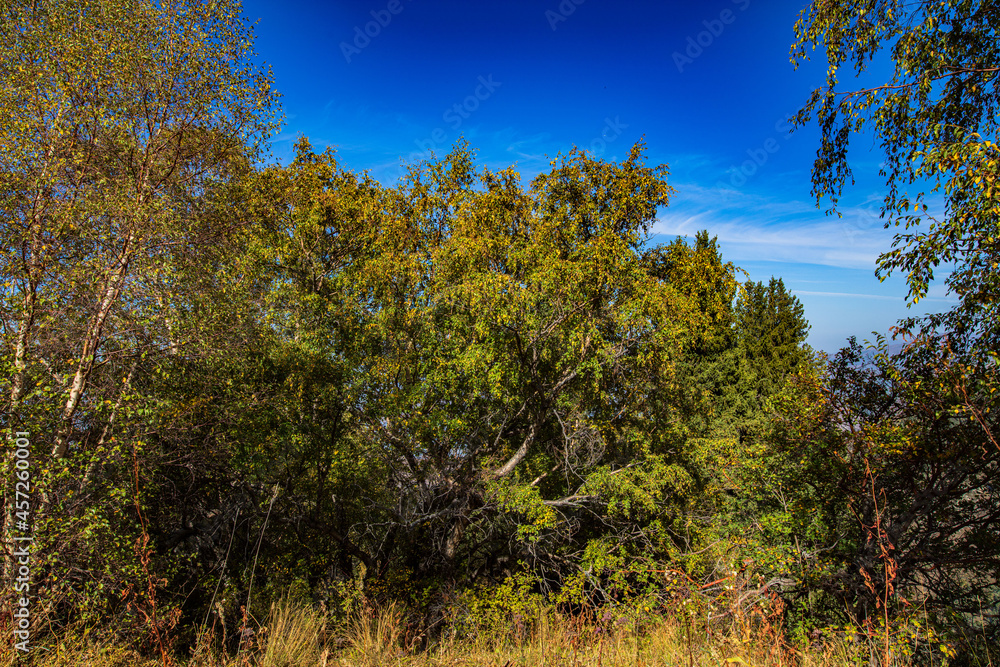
point(882, 297)
point(689, 162)
point(807, 242)
point(752, 226)
point(529, 148)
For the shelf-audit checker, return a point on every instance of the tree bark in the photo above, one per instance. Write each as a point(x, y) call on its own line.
point(93, 340)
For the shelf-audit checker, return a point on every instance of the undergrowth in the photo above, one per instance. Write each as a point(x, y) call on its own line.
point(297, 634)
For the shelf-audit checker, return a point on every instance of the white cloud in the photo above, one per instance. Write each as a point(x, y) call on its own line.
point(758, 228)
point(847, 294)
point(883, 297)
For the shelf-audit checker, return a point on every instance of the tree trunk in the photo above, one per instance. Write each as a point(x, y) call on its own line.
point(86, 364)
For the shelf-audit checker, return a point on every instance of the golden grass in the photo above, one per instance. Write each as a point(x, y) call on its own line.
point(294, 636)
point(559, 641)
point(297, 635)
point(375, 637)
point(77, 647)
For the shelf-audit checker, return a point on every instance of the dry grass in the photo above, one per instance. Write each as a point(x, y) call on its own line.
point(375, 637)
point(296, 636)
point(80, 646)
point(559, 641)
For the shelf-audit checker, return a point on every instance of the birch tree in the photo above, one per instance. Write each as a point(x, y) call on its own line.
point(124, 119)
point(936, 120)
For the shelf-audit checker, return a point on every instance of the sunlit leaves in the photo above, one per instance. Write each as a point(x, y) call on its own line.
point(936, 120)
point(507, 355)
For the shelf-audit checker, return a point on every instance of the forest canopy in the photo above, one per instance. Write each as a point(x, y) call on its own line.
point(466, 392)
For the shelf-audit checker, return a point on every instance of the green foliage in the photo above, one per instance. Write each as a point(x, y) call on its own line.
point(772, 331)
point(470, 395)
point(511, 328)
point(873, 493)
point(130, 128)
point(507, 611)
point(771, 337)
point(936, 120)
point(911, 438)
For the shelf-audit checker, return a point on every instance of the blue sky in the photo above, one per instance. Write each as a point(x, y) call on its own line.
point(708, 85)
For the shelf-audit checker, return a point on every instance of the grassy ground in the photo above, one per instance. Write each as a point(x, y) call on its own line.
point(298, 636)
